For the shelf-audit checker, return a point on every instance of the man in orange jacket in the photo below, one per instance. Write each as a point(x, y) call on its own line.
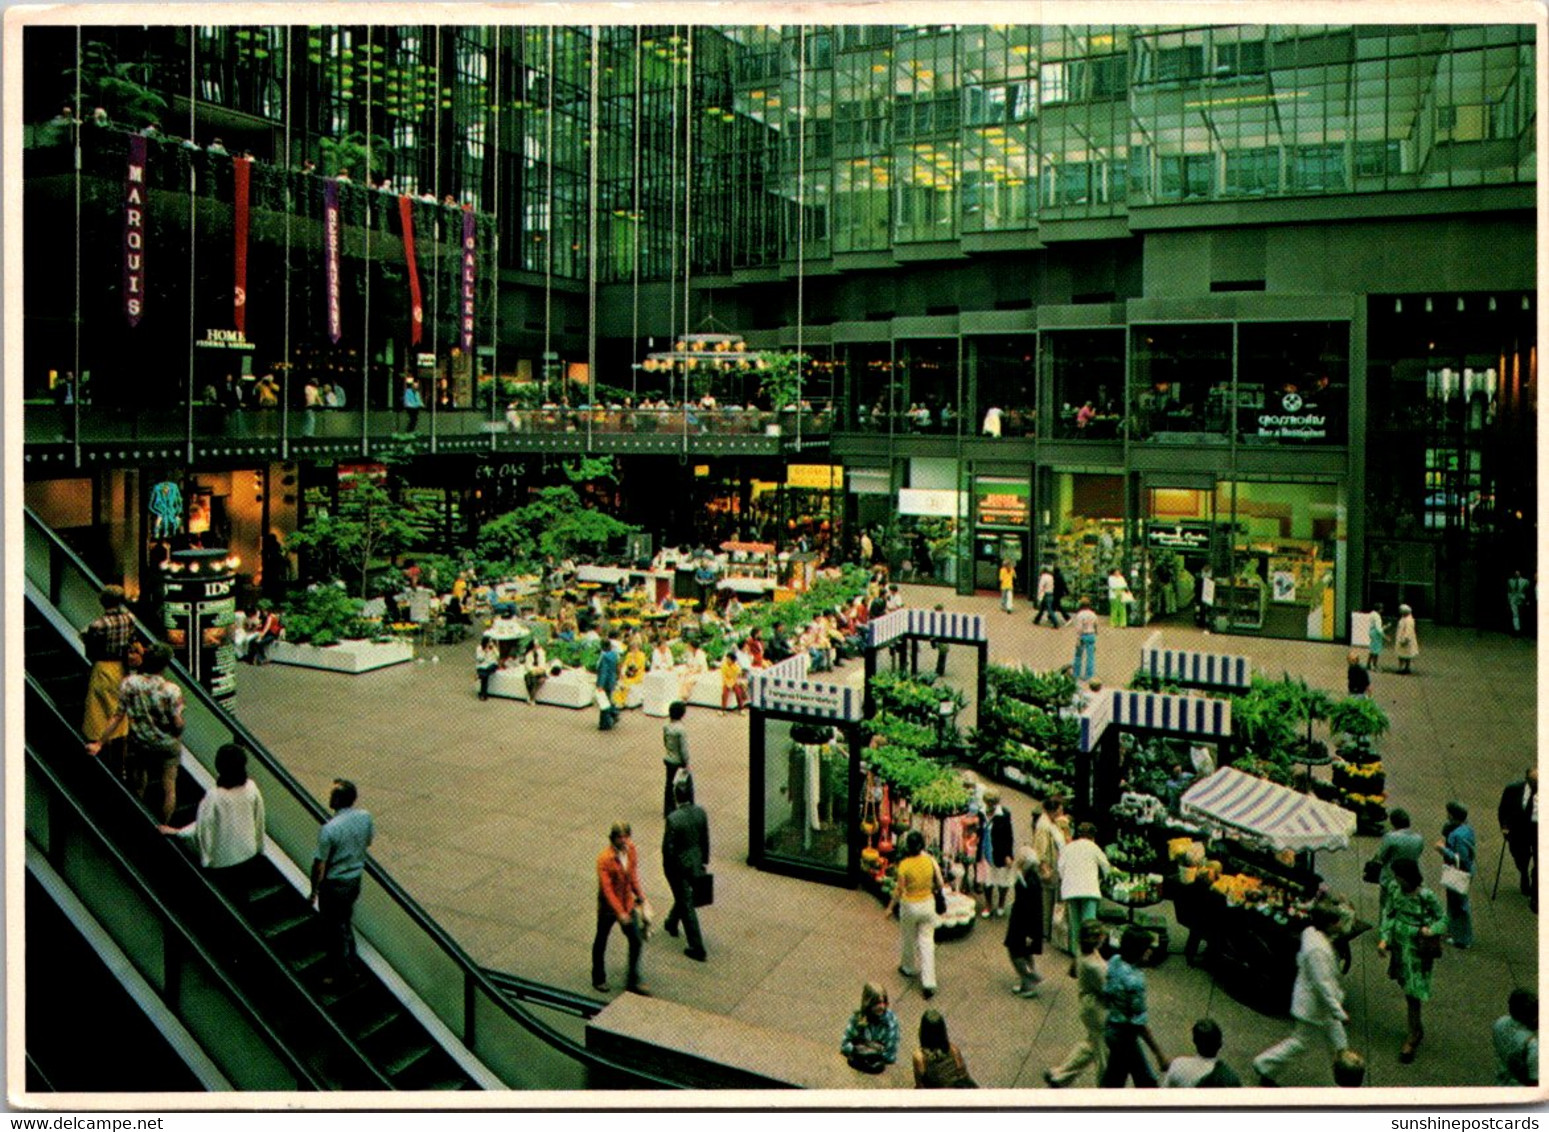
point(620, 899)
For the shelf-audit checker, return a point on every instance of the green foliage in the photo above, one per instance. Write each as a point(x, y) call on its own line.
point(353, 152)
point(1358, 717)
point(782, 377)
point(944, 795)
point(554, 521)
point(1048, 690)
point(575, 654)
point(122, 89)
point(584, 469)
point(1144, 681)
point(324, 616)
point(900, 732)
point(913, 699)
point(370, 524)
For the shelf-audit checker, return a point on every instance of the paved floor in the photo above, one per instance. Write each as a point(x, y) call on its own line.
point(491, 815)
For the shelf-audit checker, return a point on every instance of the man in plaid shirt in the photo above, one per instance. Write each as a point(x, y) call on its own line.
point(107, 641)
point(153, 705)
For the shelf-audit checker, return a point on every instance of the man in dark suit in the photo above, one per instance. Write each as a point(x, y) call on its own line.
point(1518, 815)
point(685, 853)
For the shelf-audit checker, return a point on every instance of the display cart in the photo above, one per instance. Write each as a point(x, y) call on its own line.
point(806, 798)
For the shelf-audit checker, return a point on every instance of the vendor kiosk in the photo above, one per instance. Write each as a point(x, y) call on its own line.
point(806, 748)
point(901, 632)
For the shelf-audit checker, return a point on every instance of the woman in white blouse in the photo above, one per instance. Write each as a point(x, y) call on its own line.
point(228, 826)
point(695, 665)
point(661, 657)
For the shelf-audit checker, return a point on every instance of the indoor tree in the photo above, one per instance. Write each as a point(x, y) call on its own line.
point(370, 524)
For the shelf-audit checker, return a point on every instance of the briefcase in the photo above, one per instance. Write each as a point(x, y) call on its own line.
point(704, 890)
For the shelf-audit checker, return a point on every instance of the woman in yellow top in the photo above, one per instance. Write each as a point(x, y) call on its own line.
point(632, 670)
point(1008, 584)
point(732, 683)
point(914, 897)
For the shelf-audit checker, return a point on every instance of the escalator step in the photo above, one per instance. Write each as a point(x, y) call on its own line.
point(404, 1060)
point(374, 1024)
point(267, 891)
point(278, 928)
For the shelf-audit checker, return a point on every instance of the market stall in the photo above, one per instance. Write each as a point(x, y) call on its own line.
point(1192, 669)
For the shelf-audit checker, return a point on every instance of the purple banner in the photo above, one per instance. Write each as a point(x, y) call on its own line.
point(135, 211)
point(469, 245)
point(331, 257)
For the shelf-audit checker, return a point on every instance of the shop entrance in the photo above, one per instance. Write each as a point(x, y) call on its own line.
point(1184, 550)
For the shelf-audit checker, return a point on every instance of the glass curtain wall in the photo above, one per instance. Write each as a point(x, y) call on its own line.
point(1182, 383)
point(1003, 369)
point(1086, 370)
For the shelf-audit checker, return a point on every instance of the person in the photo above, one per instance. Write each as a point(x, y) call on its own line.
point(486, 659)
point(661, 656)
point(1205, 598)
point(1084, 417)
point(695, 665)
point(153, 707)
point(1317, 1000)
point(1458, 849)
point(992, 421)
point(685, 853)
point(942, 650)
point(1008, 584)
point(269, 630)
point(1126, 1026)
point(1515, 1037)
point(1085, 621)
point(998, 849)
point(632, 668)
point(107, 641)
point(535, 669)
point(1205, 1070)
point(675, 752)
point(1400, 843)
point(607, 682)
point(1411, 913)
point(620, 900)
point(1048, 839)
point(228, 826)
point(870, 1042)
point(1376, 636)
point(938, 1064)
point(755, 648)
point(914, 898)
point(732, 683)
point(1082, 866)
point(1349, 1069)
point(1516, 598)
point(337, 867)
point(1405, 642)
point(1024, 927)
point(1518, 817)
point(1118, 599)
point(1091, 979)
point(1046, 599)
point(1358, 680)
point(413, 402)
point(866, 548)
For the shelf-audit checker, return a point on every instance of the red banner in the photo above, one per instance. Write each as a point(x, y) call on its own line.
point(241, 167)
point(135, 198)
point(416, 309)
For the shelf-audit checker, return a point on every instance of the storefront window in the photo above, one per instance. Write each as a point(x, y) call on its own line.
point(1183, 382)
point(925, 546)
point(1182, 539)
point(1292, 382)
point(1288, 555)
point(807, 815)
point(1002, 510)
point(1084, 539)
point(1003, 384)
point(1087, 369)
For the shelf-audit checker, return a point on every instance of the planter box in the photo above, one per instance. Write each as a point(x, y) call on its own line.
point(352, 657)
point(572, 688)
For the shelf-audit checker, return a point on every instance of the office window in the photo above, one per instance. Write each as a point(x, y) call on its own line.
point(1318, 168)
point(1252, 172)
point(1185, 176)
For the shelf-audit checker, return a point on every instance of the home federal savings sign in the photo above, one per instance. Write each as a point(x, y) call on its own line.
point(1291, 417)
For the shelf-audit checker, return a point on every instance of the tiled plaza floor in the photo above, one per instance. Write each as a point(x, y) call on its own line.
point(491, 815)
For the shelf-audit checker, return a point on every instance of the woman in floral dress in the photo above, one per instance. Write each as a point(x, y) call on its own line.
point(1410, 913)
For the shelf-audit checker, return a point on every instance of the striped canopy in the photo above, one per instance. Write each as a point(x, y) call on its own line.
point(1276, 815)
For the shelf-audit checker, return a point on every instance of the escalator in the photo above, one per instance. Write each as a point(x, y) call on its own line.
point(422, 1016)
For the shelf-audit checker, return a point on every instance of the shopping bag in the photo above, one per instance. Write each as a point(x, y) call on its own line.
point(1455, 880)
point(704, 890)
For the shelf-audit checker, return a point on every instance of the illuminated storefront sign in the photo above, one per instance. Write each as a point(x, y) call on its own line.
point(1002, 503)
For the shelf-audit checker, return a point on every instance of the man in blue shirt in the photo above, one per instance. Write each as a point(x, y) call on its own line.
point(336, 871)
point(1126, 1026)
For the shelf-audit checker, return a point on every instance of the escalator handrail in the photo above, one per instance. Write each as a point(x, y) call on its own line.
point(195, 876)
point(106, 845)
point(472, 971)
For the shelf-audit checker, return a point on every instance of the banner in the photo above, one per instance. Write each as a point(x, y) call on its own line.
point(467, 282)
point(135, 210)
point(241, 167)
point(331, 257)
point(416, 309)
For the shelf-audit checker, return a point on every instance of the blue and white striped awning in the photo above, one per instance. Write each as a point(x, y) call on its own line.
point(1203, 669)
point(1194, 716)
point(786, 687)
point(1276, 815)
point(936, 624)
